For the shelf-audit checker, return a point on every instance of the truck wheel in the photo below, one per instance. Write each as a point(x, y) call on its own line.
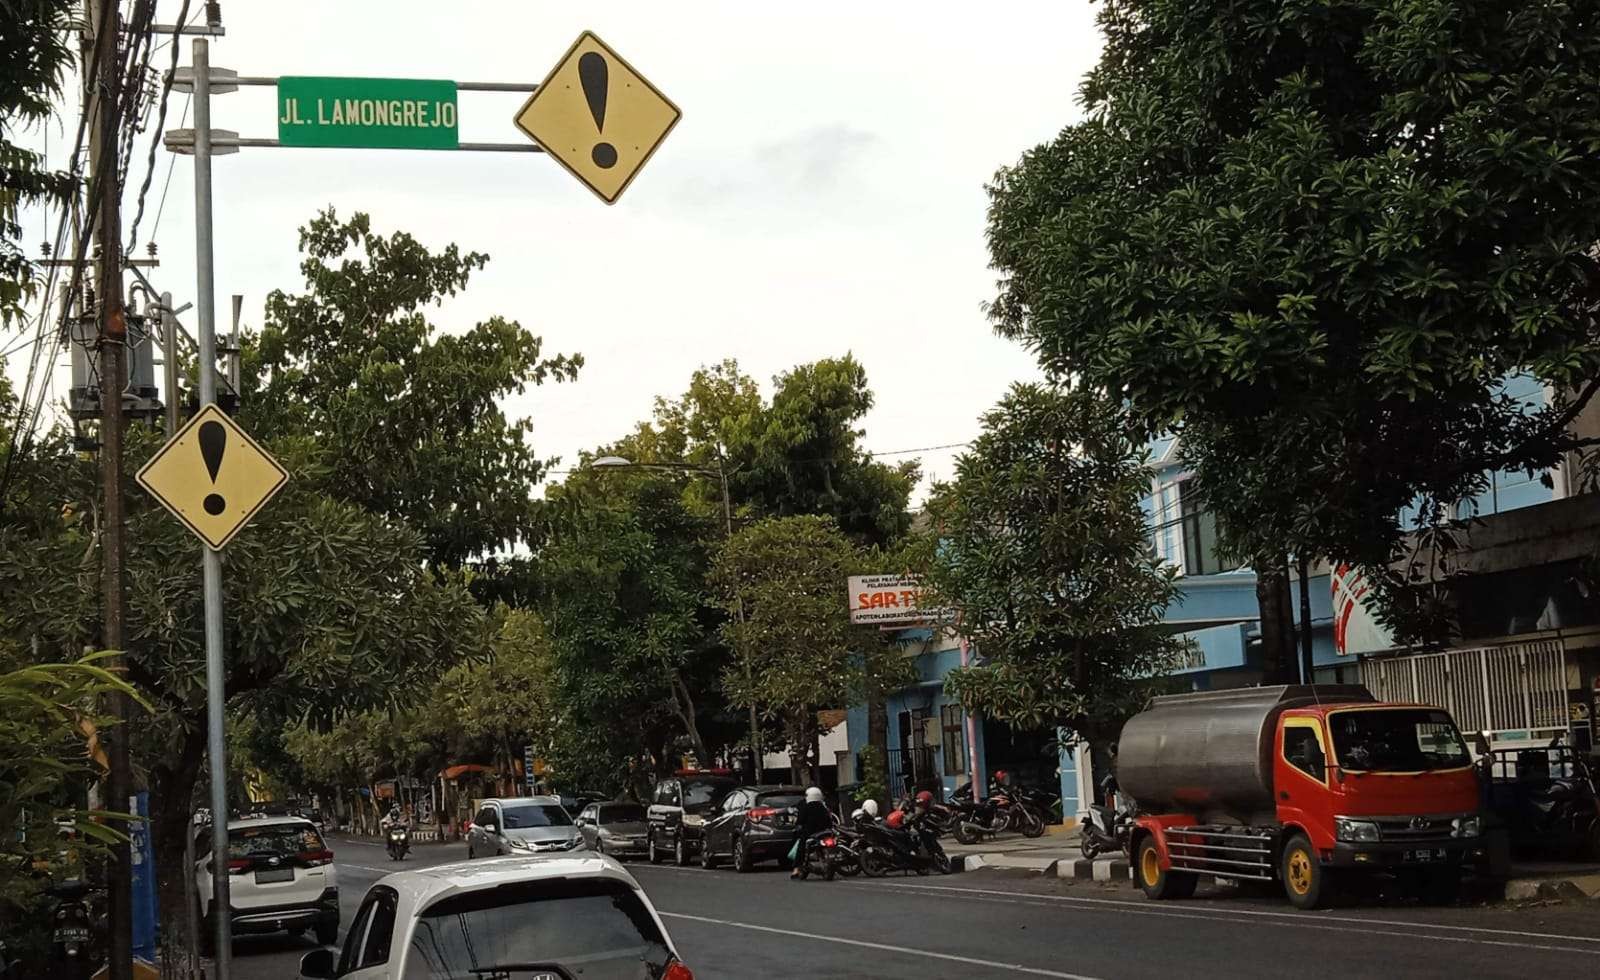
point(680, 852)
point(1158, 882)
point(1305, 880)
point(655, 855)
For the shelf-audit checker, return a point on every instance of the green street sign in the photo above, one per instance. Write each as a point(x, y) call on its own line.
point(373, 113)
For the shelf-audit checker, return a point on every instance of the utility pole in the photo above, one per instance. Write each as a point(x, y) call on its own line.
point(105, 100)
point(1307, 658)
point(755, 719)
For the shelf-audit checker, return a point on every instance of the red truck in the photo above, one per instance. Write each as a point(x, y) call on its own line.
point(1301, 785)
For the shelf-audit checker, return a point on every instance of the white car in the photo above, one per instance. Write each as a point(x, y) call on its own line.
point(280, 878)
point(543, 917)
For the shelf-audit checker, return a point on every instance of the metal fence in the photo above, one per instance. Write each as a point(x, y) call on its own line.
point(912, 769)
point(1515, 688)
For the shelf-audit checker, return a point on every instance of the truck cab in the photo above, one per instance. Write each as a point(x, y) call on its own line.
point(1299, 785)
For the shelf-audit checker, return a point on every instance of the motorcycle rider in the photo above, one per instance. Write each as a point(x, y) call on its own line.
point(394, 818)
point(814, 819)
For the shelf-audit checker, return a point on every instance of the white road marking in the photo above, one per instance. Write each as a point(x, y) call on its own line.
point(363, 867)
point(882, 947)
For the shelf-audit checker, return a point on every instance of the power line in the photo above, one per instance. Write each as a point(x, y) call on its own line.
point(155, 135)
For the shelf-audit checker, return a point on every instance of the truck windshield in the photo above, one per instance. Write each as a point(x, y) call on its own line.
point(1397, 740)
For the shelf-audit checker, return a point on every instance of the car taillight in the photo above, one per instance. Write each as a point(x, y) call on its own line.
point(761, 813)
point(316, 859)
point(238, 866)
point(677, 971)
point(830, 841)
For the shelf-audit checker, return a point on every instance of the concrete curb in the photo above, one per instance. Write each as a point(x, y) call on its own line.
point(1535, 889)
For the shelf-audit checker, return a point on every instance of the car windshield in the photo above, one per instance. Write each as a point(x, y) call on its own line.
point(622, 813)
point(279, 840)
point(1397, 740)
point(702, 792)
point(535, 815)
point(780, 800)
point(596, 929)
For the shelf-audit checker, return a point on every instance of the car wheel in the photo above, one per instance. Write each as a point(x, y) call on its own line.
point(707, 859)
point(680, 852)
point(741, 858)
point(655, 855)
point(327, 933)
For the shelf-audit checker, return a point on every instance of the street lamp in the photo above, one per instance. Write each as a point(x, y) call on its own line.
point(721, 473)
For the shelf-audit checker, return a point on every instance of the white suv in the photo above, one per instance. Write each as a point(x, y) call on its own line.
point(280, 878)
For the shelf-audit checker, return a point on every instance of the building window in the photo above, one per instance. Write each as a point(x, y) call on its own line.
point(954, 740)
point(1199, 533)
point(1165, 521)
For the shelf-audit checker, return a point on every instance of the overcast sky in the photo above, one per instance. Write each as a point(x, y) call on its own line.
point(823, 192)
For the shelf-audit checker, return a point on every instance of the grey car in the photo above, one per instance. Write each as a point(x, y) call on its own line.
point(617, 829)
point(522, 825)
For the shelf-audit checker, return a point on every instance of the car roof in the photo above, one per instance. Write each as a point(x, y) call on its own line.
point(426, 885)
point(248, 822)
point(774, 789)
point(524, 800)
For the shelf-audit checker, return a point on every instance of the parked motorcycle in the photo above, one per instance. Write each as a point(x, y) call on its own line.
point(822, 855)
point(884, 849)
point(399, 843)
point(1106, 827)
point(1547, 798)
point(1026, 810)
point(73, 947)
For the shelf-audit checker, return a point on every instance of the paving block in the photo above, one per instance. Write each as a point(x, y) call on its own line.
point(971, 862)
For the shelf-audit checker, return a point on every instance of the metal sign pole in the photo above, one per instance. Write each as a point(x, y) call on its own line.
point(206, 306)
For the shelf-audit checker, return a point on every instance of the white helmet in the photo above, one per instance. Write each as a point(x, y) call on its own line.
point(871, 806)
point(857, 813)
point(813, 795)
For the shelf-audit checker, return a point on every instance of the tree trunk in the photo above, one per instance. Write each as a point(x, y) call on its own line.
point(171, 819)
point(683, 706)
point(1277, 621)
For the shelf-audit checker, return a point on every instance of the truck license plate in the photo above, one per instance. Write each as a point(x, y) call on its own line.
point(1425, 855)
point(275, 874)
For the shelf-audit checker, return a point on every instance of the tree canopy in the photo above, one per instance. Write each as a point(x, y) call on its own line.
point(1315, 239)
point(1040, 549)
point(407, 419)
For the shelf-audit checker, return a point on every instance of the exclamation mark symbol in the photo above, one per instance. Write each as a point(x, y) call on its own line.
point(213, 440)
point(595, 76)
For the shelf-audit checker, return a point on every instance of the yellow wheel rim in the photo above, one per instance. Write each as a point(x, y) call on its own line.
point(1150, 866)
point(1300, 872)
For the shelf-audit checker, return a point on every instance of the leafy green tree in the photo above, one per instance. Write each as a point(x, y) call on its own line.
point(1314, 240)
point(47, 711)
point(624, 580)
point(794, 650)
point(1041, 551)
point(800, 453)
point(407, 418)
point(35, 50)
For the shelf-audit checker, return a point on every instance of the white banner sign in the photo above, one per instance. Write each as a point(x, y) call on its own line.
point(888, 600)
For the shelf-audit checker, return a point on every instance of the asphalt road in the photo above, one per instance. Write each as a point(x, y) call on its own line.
point(986, 925)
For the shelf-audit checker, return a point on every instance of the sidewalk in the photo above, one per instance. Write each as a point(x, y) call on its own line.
point(1057, 854)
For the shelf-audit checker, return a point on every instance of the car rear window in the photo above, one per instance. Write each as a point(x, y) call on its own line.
point(535, 815)
point(622, 813)
point(699, 792)
point(279, 840)
point(597, 929)
point(780, 799)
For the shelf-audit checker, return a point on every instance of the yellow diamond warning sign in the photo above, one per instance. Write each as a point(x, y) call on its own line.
point(598, 117)
point(212, 476)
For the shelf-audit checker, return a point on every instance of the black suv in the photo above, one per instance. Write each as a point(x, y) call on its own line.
point(679, 809)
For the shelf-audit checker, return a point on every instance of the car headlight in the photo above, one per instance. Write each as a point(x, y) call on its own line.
point(1466, 826)
point(1355, 831)
point(520, 844)
point(692, 820)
